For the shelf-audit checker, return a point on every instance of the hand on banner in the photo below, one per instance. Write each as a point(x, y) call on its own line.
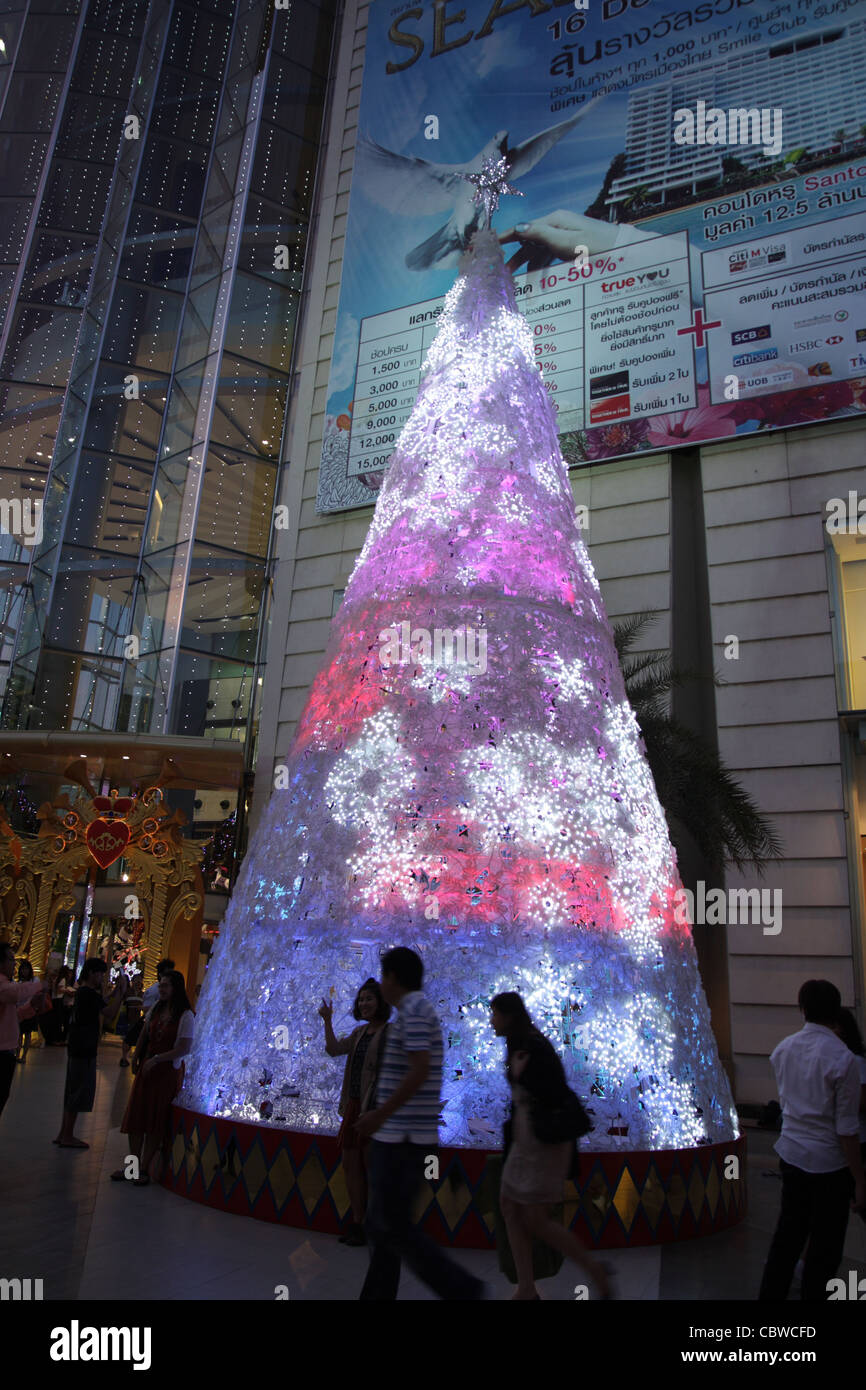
point(556, 236)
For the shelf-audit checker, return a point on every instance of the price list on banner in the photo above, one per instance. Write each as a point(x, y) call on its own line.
point(604, 332)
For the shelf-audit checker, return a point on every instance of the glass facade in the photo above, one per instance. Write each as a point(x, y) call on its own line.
point(157, 164)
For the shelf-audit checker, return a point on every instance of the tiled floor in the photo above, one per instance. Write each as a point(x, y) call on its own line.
point(88, 1238)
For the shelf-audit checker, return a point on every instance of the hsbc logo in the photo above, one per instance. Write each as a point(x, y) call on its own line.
point(834, 340)
point(807, 345)
point(751, 335)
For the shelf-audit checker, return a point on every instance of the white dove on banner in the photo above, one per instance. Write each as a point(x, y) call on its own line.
point(417, 187)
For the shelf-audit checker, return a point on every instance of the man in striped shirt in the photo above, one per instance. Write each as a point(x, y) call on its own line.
point(405, 1124)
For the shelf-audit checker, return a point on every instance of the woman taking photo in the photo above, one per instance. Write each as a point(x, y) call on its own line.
point(535, 1169)
point(158, 1069)
point(363, 1051)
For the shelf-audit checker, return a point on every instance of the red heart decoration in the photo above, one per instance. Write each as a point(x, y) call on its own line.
point(106, 841)
point(122, 805)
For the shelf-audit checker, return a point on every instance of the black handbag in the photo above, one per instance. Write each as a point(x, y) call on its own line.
point(566, 1119)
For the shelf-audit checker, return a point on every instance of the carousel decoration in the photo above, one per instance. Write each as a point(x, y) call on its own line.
point(38, 876)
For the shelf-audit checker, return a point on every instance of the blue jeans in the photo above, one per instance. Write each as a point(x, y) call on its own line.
point(394, 1174)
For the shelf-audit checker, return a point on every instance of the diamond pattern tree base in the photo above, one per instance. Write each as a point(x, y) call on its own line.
point(621, 1199)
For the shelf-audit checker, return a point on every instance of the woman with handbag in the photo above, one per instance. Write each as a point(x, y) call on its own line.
point(541, 1146)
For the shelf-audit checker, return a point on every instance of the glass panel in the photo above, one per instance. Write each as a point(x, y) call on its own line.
point(91, 128)
point(75, 196)
point(141, 707)
point(74, 692)
point(92, 592)
point(199, 41)
point(105, 64)
point(28, 424)
point(41, 343)
point(185, 107)
point(195, 341)
point(222, 604)
point(304, 33)
point(158, 249)
point(262, 321)
point(21, 159)
point(45, 43)
point(32, 101)
point(237, 503)
point(58, 270)
point(109, 504)
point(142, 327)
point(294, 100)
point(119, 425)
point(13, 228)
point(284, 169)
point(250, 407)
point(267, 229)
point(171, 176)
point(212, 698)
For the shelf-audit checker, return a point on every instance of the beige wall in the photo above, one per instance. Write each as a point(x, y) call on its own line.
point(764, 503)
point(764, 499)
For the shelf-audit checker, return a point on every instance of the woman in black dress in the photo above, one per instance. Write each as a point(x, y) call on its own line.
point(534, 1171)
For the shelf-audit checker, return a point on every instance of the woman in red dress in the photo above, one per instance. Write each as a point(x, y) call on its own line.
point(158, 1069)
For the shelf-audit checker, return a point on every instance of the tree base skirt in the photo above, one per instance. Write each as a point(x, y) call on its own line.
point(296, 1179)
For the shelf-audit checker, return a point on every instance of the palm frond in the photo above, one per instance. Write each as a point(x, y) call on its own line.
point(628, 630)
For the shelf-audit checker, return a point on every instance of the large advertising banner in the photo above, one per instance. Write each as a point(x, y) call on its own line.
point(690, 245)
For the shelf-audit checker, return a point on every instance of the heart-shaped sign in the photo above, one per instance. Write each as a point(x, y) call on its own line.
point(107, 841)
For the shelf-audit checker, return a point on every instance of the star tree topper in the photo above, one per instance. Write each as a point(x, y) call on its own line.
point(490, 185)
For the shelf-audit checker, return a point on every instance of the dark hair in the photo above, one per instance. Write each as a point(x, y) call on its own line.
point(512, 1006)
point(406, 966)
point(850, 1033)
point(94, 965)
point(163, 967)
point(25, 966)
point(178, 1003)
point(383, 1010)
point(820, 1001)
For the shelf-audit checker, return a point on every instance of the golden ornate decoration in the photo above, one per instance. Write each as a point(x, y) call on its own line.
point(38, 874)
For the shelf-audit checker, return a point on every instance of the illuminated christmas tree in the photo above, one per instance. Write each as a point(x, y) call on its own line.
point(468, 779)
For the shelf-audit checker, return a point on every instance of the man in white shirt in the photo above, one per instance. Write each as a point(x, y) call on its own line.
point(819, 1149)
